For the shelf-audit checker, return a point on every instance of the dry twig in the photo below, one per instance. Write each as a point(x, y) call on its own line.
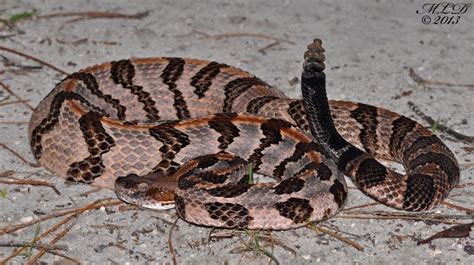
point(267, 47)
point(335, 235)
point(51, 249)
point(458, 207)
point(18, 155)
point(170, 242)
point(34, 59)
point(15, 181)
point(242, 34)
point(360, 206)
point(74, 214)
point(54, 240)
point(92, 206)
point(463, 185)
point(14, 122)
point(431, 217)
point(7, 88)
point(441, 127)
point(13, 102)
point(94, 15)
point(420, 81)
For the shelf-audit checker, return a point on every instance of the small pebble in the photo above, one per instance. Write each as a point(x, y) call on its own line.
point(26, 219)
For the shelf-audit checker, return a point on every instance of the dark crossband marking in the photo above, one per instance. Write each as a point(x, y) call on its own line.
point(237, 87)
point(257, 103)
point(296, 209)
point(203, 79)
point(444, 162)
point(297, 113)
point(232, 214)
point(367, 116)
point(289, 185)
point(48, 123)
point(340, 194)
point(91, 84)
point(271, 130)
point(323, 171)
point(228, 191)
point(190, 180)
point(122, 72)
point(370, 173)
point(222, 123)
point(421, 143)
point(170, 75)
point(173, 141)
point(347, 157)
point(420, 192)
point(98, 143)
point(300, 150)
point(400, 128)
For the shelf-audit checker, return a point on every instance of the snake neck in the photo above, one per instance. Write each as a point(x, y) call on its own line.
point(313, 87)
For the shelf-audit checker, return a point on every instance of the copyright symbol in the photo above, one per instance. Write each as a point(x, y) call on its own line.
point(426, 20)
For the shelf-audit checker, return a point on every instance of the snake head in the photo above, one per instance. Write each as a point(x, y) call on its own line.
point(145, 192)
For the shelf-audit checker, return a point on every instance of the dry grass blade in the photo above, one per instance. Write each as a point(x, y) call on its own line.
point(14, 181)
point(264, 49)
point(463, 185)
point(242, 34)
point(441, 127)
point(95, 15)
point(17, 251)
point(14, 122)
point(439, 218)
point(74, 214)
point(51, 249)
point(37, 245)
point(24, 101)
point(18, 155)
point(469, 149)
point(13, 102)
point(419, 80)
point(458, 207)
point(360, 206)
point(335, 235)
point(53, 241)
point(7, 173)
point(87, 193)
point(92, 206)
point(170, 242)
point(34, 59)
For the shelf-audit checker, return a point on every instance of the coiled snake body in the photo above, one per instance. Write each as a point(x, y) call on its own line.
point(187, 131)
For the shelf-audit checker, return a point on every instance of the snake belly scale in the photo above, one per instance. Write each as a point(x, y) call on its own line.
point(186, 131)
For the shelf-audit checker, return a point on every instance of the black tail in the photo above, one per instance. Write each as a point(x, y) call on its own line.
point(313, 87)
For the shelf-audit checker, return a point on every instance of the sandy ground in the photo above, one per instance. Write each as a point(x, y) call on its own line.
point(370, 47)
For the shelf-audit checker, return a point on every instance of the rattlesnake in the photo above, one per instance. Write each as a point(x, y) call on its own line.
point(188, 131)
